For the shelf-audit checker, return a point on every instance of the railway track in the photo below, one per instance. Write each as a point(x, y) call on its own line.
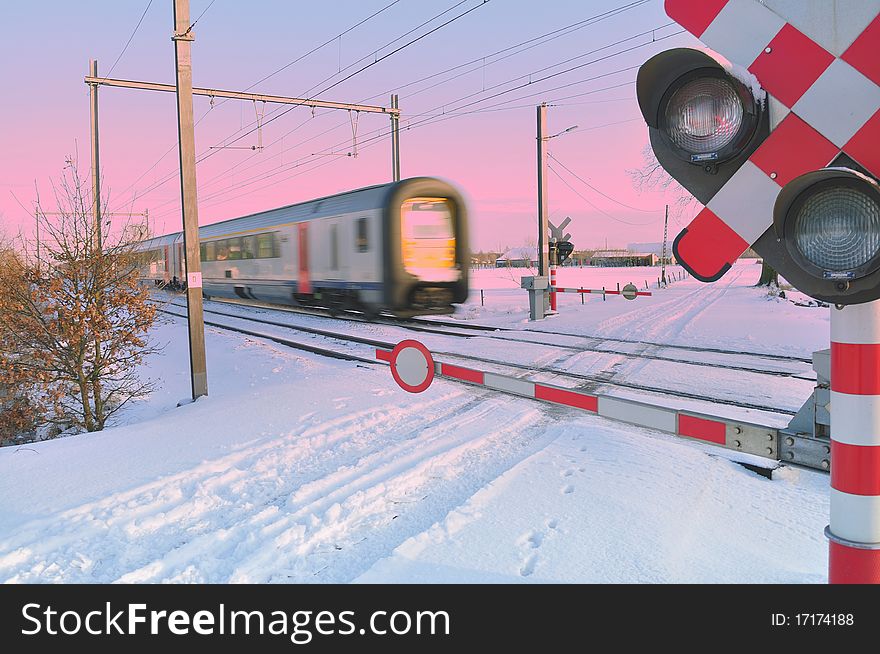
point(773, 365)
point(343, 341)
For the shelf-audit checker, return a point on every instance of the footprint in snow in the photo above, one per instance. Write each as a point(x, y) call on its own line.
point(528, 566)
point(568, 489)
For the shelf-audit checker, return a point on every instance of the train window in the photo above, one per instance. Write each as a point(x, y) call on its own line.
point(203, 252)
point(249, 247)
point(334, 249)
point(427, 235)
point(361, 241)
point(211, 251)
point(267, 246)
point(234, 245)
point(222, 250)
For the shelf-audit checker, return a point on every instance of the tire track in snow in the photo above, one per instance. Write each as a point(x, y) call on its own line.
point(281, 500)
point(151, 510)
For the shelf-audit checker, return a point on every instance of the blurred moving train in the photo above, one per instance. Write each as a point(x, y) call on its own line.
point(398, 248)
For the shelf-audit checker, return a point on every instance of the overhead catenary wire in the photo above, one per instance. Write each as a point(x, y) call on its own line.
point(445, 114)
point(382, 133)
point(543, 91)
point(291, 107)
point(604, 195)
point(222, 102)
point(378, 135)
point(553, 34)
point(603, 212)
point(549, 36)
point(130, 38)
point(204, 11)
point(309, 95)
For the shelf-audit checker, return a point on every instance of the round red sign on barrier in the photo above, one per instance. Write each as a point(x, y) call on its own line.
point(412, 366)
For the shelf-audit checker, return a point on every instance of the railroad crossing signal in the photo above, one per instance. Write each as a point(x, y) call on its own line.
point(563, 251)
point(556, 232)
point(560, 245)
point(782, 150)
point(783, 153)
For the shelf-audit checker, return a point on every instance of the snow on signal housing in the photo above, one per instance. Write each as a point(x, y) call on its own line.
point(657, 82)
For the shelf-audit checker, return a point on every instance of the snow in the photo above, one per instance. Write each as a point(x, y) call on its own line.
point(303, 469)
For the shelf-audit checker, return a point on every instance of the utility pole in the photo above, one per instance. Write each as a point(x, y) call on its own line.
point(96, 169)
point(395, 138)
point(663, 251)
point(183, 60)
point(543, 227)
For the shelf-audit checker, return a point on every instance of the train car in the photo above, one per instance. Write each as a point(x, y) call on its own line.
point(399, 248)
point(162, 259)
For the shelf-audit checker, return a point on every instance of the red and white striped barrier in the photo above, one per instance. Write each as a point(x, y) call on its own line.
point(414, 369)
point(854, 532)
point(601, 291)
point(826, 100)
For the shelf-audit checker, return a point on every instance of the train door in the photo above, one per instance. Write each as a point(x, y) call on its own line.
point(304, 284)
point(338, 244)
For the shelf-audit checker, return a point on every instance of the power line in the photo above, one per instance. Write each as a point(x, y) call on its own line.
point(604, 195)
point(381, 134)
point(274, 115)
point(347, 30)
point(324, 44)
point(553, 34)
point(446, 115)
point(575, 191)
point(189, 29)
point(302, 161)
point(127, 43)
point(452, 114)
point(382, 58)
point(265, 122)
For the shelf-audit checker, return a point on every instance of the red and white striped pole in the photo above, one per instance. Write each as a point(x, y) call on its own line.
point(854, 532)
point(553, 286)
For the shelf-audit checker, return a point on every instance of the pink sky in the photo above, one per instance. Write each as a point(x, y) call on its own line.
point(489, 155)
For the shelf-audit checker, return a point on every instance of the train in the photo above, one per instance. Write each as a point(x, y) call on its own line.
point(398, 248)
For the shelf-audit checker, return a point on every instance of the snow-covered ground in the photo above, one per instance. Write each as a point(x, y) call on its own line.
point(304, 469)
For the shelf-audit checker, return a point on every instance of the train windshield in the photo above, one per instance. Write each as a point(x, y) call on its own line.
point(428, 239)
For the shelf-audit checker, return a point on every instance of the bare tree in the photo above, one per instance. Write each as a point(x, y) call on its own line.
point(653, 177)
point(75, 323)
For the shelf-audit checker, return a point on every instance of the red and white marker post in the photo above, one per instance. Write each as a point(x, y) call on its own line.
point(552, 286)
point(854, 532)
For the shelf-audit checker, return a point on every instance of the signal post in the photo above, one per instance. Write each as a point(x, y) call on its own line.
point(790, 167)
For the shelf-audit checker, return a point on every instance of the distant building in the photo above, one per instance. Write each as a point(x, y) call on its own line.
point(653, 248)
point(523, 257)
point(612, 258)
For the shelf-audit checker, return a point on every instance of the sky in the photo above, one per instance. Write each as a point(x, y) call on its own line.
point(472, 121)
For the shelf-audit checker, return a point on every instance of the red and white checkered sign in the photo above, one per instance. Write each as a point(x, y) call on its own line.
point(823, 101)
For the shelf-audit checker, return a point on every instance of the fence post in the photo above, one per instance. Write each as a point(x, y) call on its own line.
point(603, 293)
point(482, 304)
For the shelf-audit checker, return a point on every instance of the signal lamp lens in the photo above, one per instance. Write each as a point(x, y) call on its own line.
point(837, 228)
point(704, 116)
